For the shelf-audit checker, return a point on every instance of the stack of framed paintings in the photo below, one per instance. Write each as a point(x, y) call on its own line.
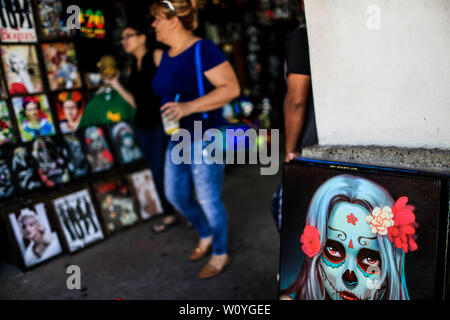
point(75, 218)
point(91, 182)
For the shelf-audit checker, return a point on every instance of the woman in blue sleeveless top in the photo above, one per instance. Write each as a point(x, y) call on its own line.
point(176, 76)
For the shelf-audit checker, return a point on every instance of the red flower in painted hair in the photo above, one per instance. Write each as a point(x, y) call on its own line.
point(403, 232)
point(107, 155)
point(310, 240)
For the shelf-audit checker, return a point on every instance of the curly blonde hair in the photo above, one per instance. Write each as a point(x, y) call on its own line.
point(185, 11)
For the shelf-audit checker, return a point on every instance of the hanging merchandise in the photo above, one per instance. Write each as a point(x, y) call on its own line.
point(254, 66)
point(93, 80)
point(247, 106)
point(228, 113)
point(106, 106)
point(264, 116)
point(107, 67)
point(212, 32)
point(275, 10)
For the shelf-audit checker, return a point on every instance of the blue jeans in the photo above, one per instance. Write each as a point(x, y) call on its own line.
point(277, 204)
point(153, 144)
point(207, 213)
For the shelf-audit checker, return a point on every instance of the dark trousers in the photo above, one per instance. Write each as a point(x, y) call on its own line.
point(153, 143)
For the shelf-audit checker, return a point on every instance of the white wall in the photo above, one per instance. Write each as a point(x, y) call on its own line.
point(388, 86)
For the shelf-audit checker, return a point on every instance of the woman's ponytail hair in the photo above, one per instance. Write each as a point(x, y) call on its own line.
point(185, 10)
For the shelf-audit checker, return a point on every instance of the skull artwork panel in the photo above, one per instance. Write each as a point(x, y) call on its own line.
point(360, 234)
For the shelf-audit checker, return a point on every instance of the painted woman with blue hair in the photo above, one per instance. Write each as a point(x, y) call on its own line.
point(355, 241)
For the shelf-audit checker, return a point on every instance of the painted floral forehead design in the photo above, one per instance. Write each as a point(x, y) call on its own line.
point(397, 222)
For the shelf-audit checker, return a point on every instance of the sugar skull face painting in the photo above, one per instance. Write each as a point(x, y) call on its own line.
point(347, 264)
point(355, 240)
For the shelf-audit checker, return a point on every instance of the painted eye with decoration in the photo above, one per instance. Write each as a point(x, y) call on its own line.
point(369, 261)
point(334, 251)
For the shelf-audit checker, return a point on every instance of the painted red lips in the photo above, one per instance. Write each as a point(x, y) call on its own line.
point(348, 295)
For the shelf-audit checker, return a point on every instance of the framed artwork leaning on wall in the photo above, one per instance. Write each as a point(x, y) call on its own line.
point(352, 232)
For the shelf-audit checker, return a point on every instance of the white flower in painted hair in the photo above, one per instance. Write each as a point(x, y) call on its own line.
point(380, 220)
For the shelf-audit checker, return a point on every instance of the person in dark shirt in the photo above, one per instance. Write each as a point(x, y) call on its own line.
point(299, 117)
point(147, 120)
point(300, 123)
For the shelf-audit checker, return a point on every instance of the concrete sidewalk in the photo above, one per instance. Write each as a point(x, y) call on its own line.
point(137, 264)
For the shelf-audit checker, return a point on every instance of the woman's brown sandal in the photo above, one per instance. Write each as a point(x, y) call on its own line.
point(209, 271)
point(163, 226)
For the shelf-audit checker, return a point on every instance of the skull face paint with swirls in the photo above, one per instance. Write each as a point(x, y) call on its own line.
point(350, 265)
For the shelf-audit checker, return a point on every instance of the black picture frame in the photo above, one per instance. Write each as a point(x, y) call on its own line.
point(124, 142)
point(21, 249)
point(118, 206)
point(78, 221)
point(22, 15)
point(99, 153)
point(144, 191)
point(7, 185)
point(24, 169)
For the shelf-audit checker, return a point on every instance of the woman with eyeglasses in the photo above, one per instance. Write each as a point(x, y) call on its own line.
point(148, 125)
point(174, 23)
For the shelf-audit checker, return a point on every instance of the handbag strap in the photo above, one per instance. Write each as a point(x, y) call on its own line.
point(198, 67)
